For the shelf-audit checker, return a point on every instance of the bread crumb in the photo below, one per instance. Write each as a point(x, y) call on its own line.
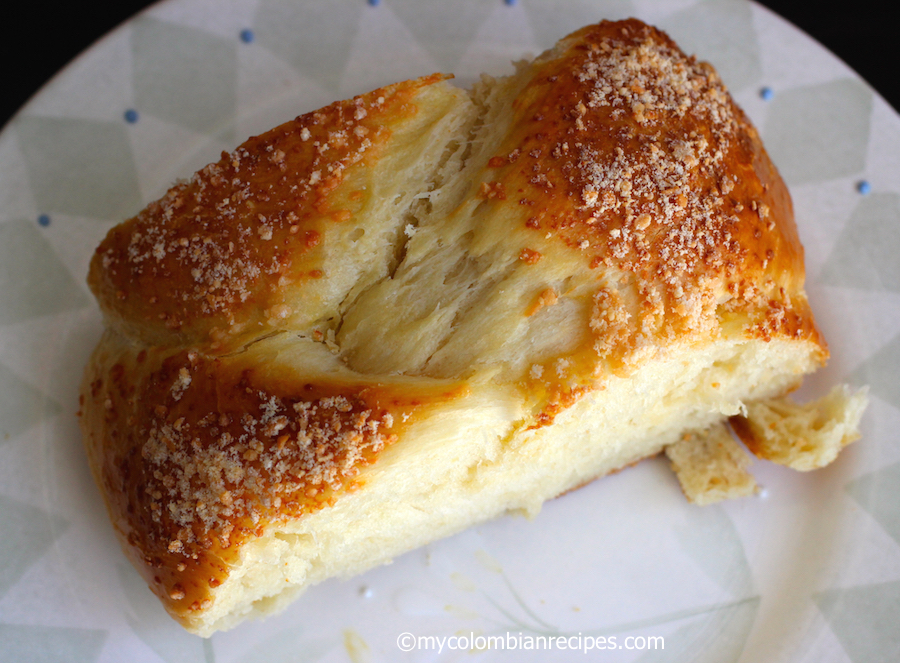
point(711, 466)
point(803, 437)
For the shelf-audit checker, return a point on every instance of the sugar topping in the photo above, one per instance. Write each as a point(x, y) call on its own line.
point(647, 144)
point(212, 474)
point(219, 238)
point(672, 124)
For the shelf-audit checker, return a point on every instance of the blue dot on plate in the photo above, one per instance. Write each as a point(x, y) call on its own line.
point(509, 2)
point(864, 187)
point(131, 116)
point(767, 93)
point(374, 3)
point(43, 220)
point(247, 35)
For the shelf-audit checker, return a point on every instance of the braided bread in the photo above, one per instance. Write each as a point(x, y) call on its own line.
point(418, 309)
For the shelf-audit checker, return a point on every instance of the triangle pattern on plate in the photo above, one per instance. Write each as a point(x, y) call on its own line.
point(21, 407)
point(881, 371)
point(33, 280)
point(719, 635)
point(86, 169)
point(185, 76)
point(445, 40)
point(504, 38)
point(723, 31)
point(879, 494)
point(867, 253)
point(292, 644)
point(154, 627)
point(27, 533)
point(383, 52)
point(550, 24)
point(297, 36)
point(79, 167)
point(710, 538)
point(819, 132)
point(865, 619)
point(50, 643)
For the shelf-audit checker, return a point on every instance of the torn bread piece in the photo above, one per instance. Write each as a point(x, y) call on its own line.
point(711, 466)
point(802, 436)
point(421, 308)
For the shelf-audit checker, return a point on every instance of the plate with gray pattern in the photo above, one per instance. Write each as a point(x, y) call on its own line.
point(807, 571)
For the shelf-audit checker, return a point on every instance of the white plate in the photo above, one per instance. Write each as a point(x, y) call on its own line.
point(809, 572)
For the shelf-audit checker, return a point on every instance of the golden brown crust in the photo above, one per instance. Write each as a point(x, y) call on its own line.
point(195, 454)
point(627, 174)
point(635, 156)
point(237, 249)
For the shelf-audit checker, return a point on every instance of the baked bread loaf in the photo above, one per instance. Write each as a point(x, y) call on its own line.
point(421, 308)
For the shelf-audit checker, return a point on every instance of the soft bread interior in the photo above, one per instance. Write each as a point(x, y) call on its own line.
point(804, 436)
point(461, 298)
point(470, 462)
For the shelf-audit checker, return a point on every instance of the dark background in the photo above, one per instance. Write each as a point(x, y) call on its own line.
point(41, 37)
